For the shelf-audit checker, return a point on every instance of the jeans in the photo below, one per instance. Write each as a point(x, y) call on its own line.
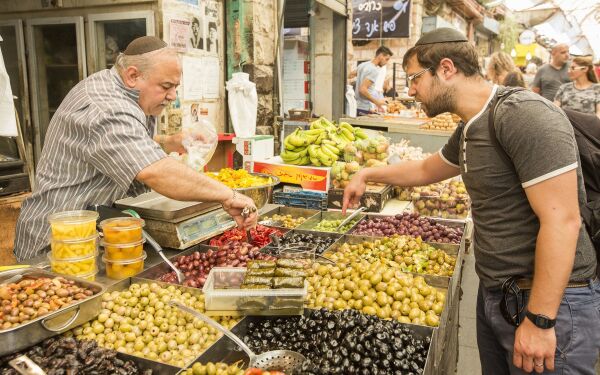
point(577, 332)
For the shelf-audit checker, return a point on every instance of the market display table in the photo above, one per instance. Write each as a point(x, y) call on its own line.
point(398, 128)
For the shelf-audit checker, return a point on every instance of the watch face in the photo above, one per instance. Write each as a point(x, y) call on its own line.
point(541, 321)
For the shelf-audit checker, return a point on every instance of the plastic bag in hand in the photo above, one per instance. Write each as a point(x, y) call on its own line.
point(200, 141)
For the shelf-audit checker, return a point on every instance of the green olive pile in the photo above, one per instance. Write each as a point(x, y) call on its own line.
point(376, 289)
point(331, 225)
point(140, 321)
point(407, 253)
point(287, 221)
point(210, 368)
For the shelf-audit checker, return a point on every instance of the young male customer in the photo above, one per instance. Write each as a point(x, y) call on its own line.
point(551, 76)
point(528, 231)
point(367, 96)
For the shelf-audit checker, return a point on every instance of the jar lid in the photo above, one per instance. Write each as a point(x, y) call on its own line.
point(73, 260)
point(122, 245)
point(73, 217)
point(129, 221)
point(125, 261)
point(76, 240)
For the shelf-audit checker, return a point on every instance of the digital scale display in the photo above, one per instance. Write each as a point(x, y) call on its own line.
point(205, 225)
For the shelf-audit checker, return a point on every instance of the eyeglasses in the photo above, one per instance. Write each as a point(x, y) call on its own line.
point(510, 287)
point(577, 67)
point(410, 78)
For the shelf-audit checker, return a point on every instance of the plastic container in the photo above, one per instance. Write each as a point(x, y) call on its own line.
point(73, 225)
point(122, 230)
point(126, 251)
point(90, 276)
point(446, 208)
point(121, 269)
point(223, 296)
point(74, 266)
point(74, 249)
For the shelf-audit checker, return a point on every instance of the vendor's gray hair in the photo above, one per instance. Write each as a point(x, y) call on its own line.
point(143, 62)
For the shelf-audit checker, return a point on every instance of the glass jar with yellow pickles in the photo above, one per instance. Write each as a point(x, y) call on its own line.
point(74, 266)
point(73, 249)
point(121, 269)
point(73, 225)
point(125, 251)
point(122, 230)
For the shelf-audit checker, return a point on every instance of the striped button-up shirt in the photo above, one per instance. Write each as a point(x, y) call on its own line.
point(97, 142)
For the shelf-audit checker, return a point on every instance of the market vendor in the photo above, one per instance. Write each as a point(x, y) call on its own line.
point(367, 97)
point(99, 147)
point(538, 299)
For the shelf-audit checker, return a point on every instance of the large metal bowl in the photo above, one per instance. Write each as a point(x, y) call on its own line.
point(260, 194)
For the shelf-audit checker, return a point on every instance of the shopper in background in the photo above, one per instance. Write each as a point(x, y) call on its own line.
point(551, 76)
point(500, 66)
point(99, 147)
point(514, 79)
point(583, 94)
point(367, 97)
point(530, 72)
point(528, 233)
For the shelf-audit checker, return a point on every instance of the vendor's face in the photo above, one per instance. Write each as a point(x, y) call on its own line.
point(157, 87)
point(435, 96)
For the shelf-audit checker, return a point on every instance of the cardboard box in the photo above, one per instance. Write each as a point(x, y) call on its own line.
point(223, 156)
point(248, 150)
point(374, 198)
point(309, 177)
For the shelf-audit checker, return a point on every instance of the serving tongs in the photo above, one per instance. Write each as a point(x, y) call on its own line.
point(156, 246)
point(274, 360)
point(25, 366)
point(247, 211)
point(349, 218)
point(276, 243)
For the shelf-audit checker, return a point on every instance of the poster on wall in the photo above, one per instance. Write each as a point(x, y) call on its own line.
point(179, 30)
point(193, 78)
point(380, 19)
point(212, 23)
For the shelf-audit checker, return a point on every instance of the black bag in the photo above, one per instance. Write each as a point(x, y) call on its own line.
point(587, 135)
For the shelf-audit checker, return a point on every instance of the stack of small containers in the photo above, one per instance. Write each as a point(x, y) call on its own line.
point(74, 243)
point(123, 246)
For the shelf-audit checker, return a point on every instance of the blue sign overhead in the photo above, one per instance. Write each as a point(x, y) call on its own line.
point(380, 19)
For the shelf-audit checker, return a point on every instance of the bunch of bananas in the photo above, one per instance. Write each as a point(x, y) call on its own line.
point(322, 145)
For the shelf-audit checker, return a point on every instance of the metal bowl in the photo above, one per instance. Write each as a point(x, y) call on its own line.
point(262, 194)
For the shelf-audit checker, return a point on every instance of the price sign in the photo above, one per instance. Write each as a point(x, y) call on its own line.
point(377, 19)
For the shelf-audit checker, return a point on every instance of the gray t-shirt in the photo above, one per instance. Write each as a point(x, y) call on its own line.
point(549, 79)
point(540, 142)
point(370, 71)
point(584, 101)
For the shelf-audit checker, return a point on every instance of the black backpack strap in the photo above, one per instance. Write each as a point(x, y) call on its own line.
point(496, 101)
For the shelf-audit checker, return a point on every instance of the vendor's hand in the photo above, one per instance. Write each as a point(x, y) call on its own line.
point(173, 143)
point(234, 206)
point(534, 348)
point(354, 191)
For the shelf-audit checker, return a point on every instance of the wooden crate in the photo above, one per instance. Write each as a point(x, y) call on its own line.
point(10, 207)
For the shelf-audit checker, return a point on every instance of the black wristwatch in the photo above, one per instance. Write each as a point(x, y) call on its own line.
point(540, 321)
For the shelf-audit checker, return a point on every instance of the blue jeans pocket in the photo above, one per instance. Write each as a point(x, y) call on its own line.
point(566, 328)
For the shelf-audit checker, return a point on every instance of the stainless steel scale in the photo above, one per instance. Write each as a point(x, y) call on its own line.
point(177, 224)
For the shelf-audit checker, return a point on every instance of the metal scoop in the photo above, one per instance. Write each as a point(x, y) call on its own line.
point(159, 250)
point(245, 213)
point(25, 366)
point(349, 218)
point(274, 360)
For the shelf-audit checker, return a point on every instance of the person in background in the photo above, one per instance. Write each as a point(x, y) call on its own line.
point(550, 76)
point(499, 66)
point(514, 79)
point(583, 94)
point(196, 40)
point(529, 75)
point(388, 88)
point(212, 42)
point(367, 73)
point(99, 147)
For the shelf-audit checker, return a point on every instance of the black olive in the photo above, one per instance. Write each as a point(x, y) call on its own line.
point(355, 357)
point(337, 359)
point(367, 362)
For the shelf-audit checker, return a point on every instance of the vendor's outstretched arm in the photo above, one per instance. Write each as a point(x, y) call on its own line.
point(409, 173)
point(175, 180)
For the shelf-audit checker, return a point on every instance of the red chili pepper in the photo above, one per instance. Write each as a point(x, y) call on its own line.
point(260, 236)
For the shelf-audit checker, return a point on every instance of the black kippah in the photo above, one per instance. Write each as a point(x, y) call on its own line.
point(143, 45)
point(442, 35)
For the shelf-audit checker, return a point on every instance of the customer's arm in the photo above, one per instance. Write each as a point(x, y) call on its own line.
point(409, 173)
point(177, 181)
point(555, 203)
point(536, 85)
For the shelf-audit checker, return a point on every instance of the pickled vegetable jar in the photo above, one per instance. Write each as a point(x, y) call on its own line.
point(121, 269)
point(74, 266)
point(73, 249)
point(73, 225)
point(122, 230)
point(126, 251)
